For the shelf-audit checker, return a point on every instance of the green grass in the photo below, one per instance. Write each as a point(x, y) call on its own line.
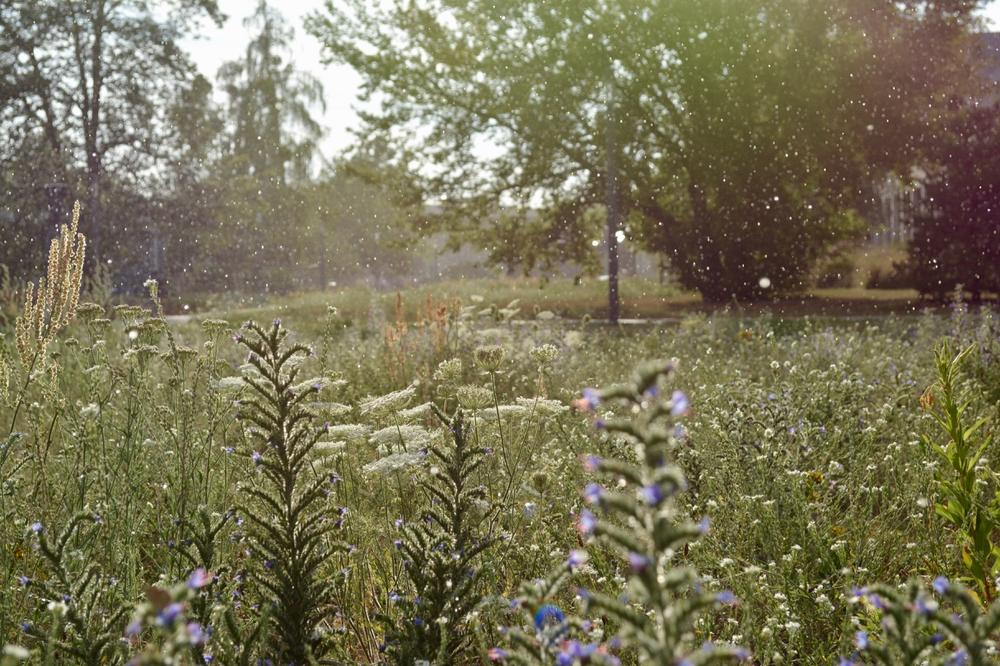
point(801, 446)
point(640, 299)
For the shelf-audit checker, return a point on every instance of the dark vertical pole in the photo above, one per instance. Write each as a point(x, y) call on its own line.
point(613, 202)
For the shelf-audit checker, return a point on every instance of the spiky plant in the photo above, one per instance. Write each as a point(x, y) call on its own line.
point(86, 614)
point(554, 635)
point(641, 521)
point(441, 555)
point(917, 627)
point(289, 528)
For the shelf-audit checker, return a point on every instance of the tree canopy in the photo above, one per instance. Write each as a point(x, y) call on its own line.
point(744, 131)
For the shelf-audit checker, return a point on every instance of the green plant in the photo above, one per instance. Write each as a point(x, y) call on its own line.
point(442, 555)
point(290, 530)
point(970, 503)
point(917, 629)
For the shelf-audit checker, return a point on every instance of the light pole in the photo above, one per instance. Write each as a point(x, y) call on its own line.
point(613, 203)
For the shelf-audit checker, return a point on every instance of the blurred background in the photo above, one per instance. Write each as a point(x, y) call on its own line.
point(729, 149)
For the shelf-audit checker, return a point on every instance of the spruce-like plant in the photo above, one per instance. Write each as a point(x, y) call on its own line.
point(86, 613)
point(664, 597)
point(289, 528)
point(922, 628)
point(441, 555)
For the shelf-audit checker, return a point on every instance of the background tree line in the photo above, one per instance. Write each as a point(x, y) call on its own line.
point(738, 138)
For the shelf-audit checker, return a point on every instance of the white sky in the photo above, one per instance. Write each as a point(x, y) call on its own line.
point(217, 45)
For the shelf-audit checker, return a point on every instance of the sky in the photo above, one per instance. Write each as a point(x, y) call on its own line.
point(216, 45)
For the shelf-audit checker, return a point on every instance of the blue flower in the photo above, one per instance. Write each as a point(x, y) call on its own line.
point(576, 558)
point(861, 640)
point(548, 616)
point(638, 562)
point(36, 527)
point(199, 578)
point(679, 404)
point(941, 585)
point(256, 457)
point(959, 658)
point(592, 463)
point(169, 614)
point(23, 581)
point(587, 523)
point(196, 633)
point(593, 492)
point(497, 654)
point(726, 597)
point(653, 494)
point(704, 525)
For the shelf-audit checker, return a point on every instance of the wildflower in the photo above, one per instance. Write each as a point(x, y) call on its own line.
point(169, 614)
point(704, 525)
point(587, 523)
point(592, 463)
point(530, 508)
point(861, 640)
point(196, 633)
point(257, 458)
point(590, 401)
point(593, 492)
point(23, 581)
point(548, 616)
point(576, 558)
point(679, 404)
point(653, 494)
point(199, 578)
point(941, 585)
point(497, 654)
point(638, 562)
point(489, 357)
point(36, 527)
point(726, 597)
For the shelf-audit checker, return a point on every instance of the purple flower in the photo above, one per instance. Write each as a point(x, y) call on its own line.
point(587, 523)
point(36, 527)
point(593, 493)
point(169, 614)
point(959, 658)
point(590, 401)
point(198, 579)
point(592, 463)
point(23, 581)
point(704, 525)
point(576, 558)
point(861, 640)
point(398, 523)
point(196, 633)
point(497, 654)
point(268, 564)
point(133, 628)
point(256, 457)
point(229, 449)
point(941, 585)
point(652, 494)
point(679, 404)
point(726, 597)
point(638, 562)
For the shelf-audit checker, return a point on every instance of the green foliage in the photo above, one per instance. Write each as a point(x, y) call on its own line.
point(442, 556)
point(728, 120)
point(291, 533)
point(956, 236)
point(970, 503)
point(920, 628)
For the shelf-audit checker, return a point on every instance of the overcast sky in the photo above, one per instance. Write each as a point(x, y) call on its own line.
point(216, 45)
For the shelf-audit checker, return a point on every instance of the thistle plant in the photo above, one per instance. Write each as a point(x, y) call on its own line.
point(970, 504)
point(553, 636)
point(441, 556)
point(289, 528)
point(642, 522)
point(922, 628)
point(86, 613)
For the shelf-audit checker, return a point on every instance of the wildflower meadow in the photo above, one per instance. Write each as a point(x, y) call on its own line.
point(485, 485)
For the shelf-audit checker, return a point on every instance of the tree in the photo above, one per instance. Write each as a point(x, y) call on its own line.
point(736, 133)
point(956, 239)
point(82, 92)
point(263, 175)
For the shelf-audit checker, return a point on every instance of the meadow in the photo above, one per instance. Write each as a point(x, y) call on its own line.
point(458, 483)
